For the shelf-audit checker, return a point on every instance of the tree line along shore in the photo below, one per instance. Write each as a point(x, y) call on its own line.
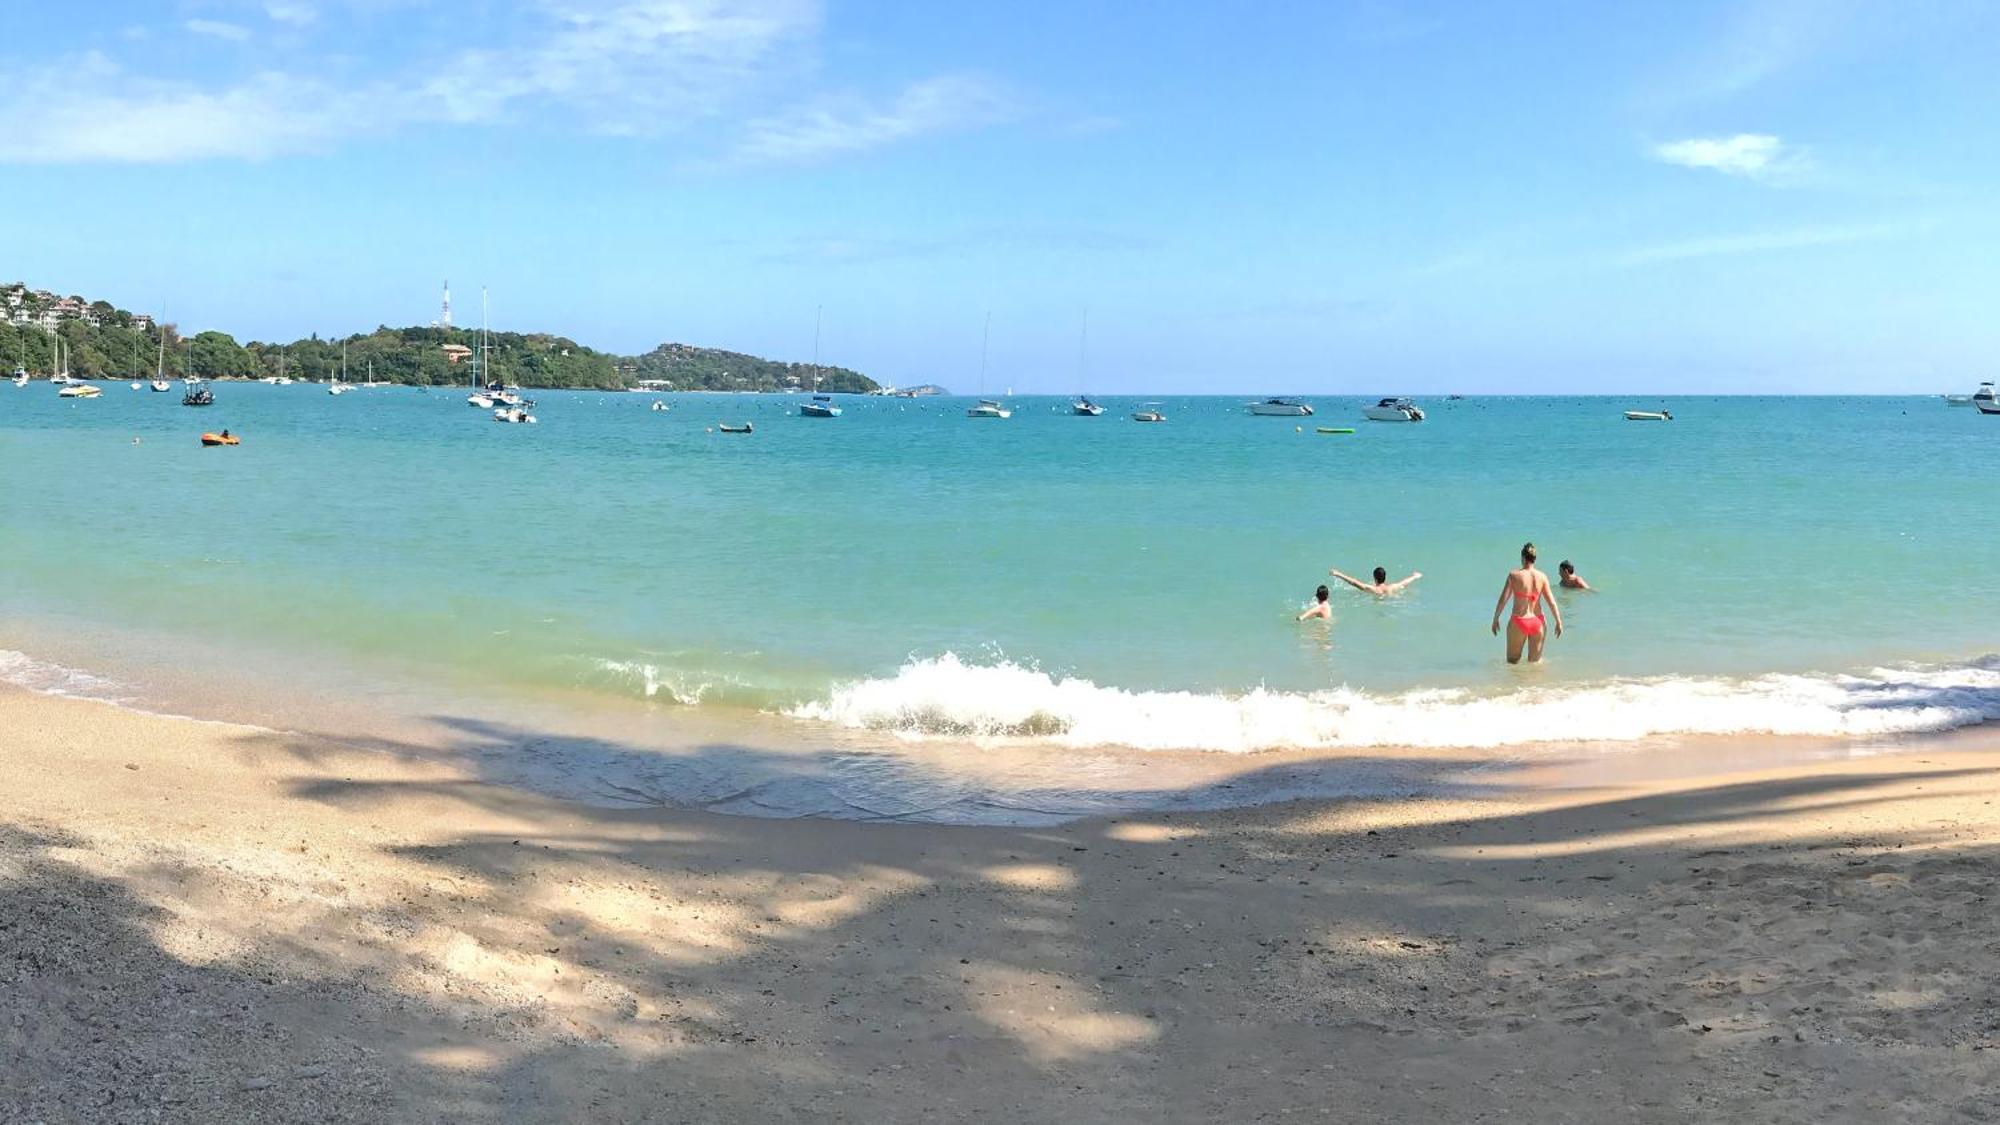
point(114, 344)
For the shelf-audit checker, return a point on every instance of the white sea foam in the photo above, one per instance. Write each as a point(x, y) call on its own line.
point(950, 698)
point(50, 678)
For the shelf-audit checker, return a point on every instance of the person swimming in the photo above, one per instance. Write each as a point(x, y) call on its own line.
point(1319, 608)
point(1533, 601)
point(1569, 579)
point(1381, 587)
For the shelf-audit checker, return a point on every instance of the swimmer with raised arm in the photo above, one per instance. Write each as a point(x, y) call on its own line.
point(1381, 587)
point(1319, 608)
point(1527, 627)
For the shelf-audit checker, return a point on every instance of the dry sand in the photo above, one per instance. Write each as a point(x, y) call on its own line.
point(202, 923)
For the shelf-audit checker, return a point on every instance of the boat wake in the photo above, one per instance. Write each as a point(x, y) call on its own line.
point(945, 697)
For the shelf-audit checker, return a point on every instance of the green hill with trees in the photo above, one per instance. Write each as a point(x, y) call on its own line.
point(122, 346)
point(690, 368)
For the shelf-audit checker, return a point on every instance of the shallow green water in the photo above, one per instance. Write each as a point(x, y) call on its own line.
point(907, 568)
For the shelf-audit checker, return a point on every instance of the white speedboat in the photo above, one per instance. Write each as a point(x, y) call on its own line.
point(20, 376)
point(1984, 397)
point(513, 414)
point(1393, 410)
point(1648, 416)
point(987, 408)
point(480, 399)
point(1958, 400)
point(819, 406)
point(78, 390)
point(1083, 407)
point(1280, 408)
point(1150, 414)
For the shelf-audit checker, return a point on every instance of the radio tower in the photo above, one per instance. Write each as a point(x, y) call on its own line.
point(446, 321)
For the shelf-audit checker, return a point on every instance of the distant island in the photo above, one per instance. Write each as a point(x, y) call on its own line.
point(106, 342)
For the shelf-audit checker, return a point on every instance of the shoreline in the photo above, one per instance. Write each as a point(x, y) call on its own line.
point(213, 922)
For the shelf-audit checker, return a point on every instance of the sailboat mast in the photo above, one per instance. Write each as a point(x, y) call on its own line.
point(817, 309)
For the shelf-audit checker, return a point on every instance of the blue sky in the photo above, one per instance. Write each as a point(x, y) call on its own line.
point(1327, 197)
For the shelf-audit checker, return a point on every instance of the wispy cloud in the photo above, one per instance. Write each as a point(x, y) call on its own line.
point(235, 33)
point(638, 68)
point(1766, 242)
point(297, 13)
point(1754, 156)
point(91, 110)
point(1761, 41)
point(846, 125)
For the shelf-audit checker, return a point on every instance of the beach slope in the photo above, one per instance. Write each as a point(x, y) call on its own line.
point(203, 922)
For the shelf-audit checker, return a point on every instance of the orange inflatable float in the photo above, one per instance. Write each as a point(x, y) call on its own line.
point(223, 438)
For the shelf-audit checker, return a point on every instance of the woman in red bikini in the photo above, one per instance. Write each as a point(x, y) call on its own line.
point(1533, 602)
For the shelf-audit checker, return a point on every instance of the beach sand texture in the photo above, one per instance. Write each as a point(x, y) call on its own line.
point(202, 922)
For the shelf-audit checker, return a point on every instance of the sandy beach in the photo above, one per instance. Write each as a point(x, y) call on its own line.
point(205, 922)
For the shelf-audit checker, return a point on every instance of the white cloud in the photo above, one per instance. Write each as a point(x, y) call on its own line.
point(1765, 242)
point(298, 13)
point(93, 111)
point(846, 125)
point(1755, 156)
point(235, 33)
point(626, 67)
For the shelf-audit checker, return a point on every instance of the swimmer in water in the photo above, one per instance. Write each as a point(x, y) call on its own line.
point(1533, 599)
point(1319, 608)
point(1569, 579)
point(1381, 587)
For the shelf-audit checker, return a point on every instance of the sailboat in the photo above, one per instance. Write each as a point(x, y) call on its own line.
point(987, 408)
point(819, 406)
point(160, 362)
point(60, 375)
point(482, 387)
point(72, 388)
point(1083, 407)
point(198, 393)
point(339, 385)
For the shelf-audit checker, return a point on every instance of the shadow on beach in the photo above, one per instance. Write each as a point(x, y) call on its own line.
point(505, 957)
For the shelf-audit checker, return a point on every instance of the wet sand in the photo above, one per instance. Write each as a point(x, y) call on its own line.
point(206, 922)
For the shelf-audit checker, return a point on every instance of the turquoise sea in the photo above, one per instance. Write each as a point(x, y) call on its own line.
point(1796, 565)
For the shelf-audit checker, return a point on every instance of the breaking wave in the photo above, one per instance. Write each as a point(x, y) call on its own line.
point(947, 697)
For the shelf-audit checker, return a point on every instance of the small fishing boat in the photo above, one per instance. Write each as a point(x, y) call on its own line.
point(223, 438)
point(819, 406)
point(987, 408)
point(728, 429)
point(1280, 408)
point(20, 376)
point(514, 414)
point(1085, 408)
point(198, 394)
point(78, 390)
point(660, 406)
point(1648, 416)
point(1958, 400)
point(1151, 413)
point(1393, 410)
